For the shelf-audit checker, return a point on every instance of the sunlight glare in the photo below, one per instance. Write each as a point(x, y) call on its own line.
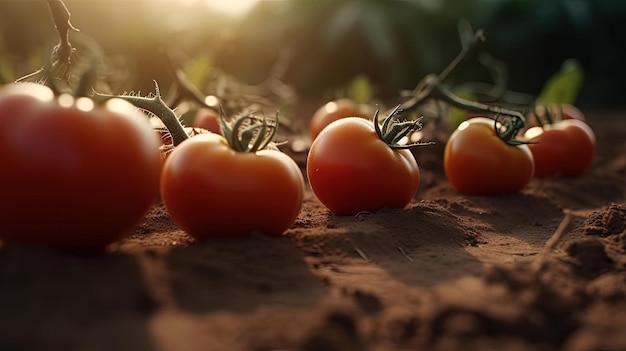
point(235, 8)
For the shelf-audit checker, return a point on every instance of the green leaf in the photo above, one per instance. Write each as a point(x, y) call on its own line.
point(360, 90)
point(563, 86)
point(197, 69)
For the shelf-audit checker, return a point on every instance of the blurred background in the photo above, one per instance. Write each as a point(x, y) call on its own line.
point(323, 44)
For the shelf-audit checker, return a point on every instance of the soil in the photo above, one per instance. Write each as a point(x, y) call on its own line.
point(449, 272)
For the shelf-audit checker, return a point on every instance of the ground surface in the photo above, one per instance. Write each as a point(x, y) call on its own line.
point(448, 272)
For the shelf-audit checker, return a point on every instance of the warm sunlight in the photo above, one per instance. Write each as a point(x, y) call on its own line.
point(227, 7)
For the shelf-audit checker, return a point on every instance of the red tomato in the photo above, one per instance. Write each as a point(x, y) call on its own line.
point(478, 162)
point(207, 119)
point(335, 110)
point(211, 190)
point(351, 169)
point(74, 174)
point(566, 147)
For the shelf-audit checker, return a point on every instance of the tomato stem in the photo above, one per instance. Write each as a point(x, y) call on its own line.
point(248, 132)
point(159, 108)
point(505, 129)
point(392, 131)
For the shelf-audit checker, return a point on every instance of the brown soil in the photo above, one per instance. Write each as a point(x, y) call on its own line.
point(449, 272)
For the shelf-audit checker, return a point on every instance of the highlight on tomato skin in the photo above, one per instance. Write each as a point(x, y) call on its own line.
point(337, 109)
point(87, 172)
point(350, 169)
point(477, 162)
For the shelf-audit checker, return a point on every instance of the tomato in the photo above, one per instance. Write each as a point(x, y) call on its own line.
point(565, 147)
point(334, 110)
point(478, 162)
point(75, 174)
point(211, 190)
point(207, 119)
point(351, 169)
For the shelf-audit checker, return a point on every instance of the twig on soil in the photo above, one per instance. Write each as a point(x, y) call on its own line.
point(559, 233)
point(361, 253)
point(403, 252)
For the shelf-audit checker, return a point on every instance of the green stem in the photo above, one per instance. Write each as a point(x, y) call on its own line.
point(159, 108)
point(511, 127)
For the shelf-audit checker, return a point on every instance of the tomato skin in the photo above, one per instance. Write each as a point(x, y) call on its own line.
point(210, 190)
point(73, 177)
point(350, 169)
point(478, 162)
point(337, 109)
point(207, 119)
point(566, 147)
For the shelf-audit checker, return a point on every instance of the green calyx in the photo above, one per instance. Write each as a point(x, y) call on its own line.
point(392, 131)
point(248, 133)
point(507, 128)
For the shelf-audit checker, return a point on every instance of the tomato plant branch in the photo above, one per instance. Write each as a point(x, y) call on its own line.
point(431, 87)
point(159, 108)
point(61, 56)
point(183, 89)
point(425, 88)
point(506, 129)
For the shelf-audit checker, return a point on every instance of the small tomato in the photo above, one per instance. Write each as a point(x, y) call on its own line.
point(334, 110)
point(566, 147)
point(212, 190)
point(478, 162)
point(352, 169)
point(207, 119)
point(75, 174)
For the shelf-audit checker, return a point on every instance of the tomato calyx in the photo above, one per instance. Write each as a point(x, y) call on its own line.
point(392, 131)
point(248, 133)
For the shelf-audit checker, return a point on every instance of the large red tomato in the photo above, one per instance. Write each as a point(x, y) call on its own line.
point(75, 174)
point(478, 162)
point(211, 190)
point(351, 169)
point(565, 147)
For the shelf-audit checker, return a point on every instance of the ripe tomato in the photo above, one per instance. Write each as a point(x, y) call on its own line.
point(74, 174)
point(211, 190)
point(334, 110)
point(351, 169)
point(565, 147)
point(207, 119)
point(478, 162)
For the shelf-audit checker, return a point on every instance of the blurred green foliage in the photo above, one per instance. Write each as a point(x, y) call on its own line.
point(331, 43)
